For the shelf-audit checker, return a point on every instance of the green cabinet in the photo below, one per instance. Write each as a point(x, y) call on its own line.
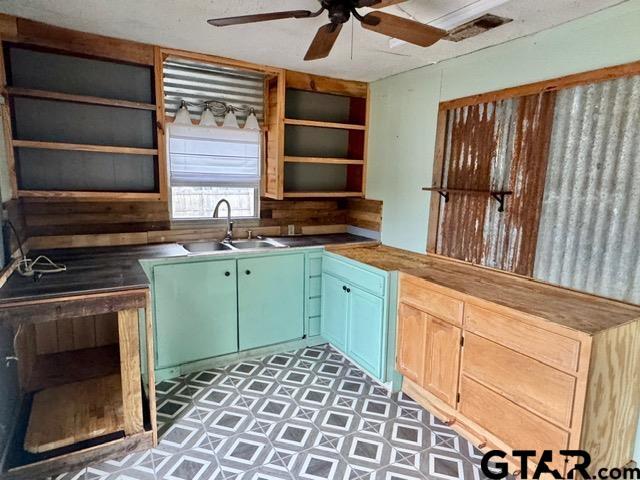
point(196, 311)
point(354, 312)
point(270, 300)
point(365, 322)
point(335, 305)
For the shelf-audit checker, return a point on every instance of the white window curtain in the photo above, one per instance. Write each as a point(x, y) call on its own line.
point(202, 156)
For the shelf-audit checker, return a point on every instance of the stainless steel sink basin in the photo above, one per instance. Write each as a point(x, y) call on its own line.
point(205, 247)
point(256, 244)
point(216, 246)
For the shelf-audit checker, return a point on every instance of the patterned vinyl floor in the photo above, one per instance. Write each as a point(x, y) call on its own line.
point(308, 414)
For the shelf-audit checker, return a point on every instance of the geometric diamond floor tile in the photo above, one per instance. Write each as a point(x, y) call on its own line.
point(407, 434)
point(315, 464)
point(438, 464)
point(190, 465)
point(309, 414)
point(363, 449)
point(294, 434)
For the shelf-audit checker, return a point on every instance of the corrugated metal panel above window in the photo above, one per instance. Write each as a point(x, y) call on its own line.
point(196, 82)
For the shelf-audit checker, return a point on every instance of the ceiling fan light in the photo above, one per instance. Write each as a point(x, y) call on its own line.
point(208, 119)
point(252, 122)
point(183, 117)
point(230, 120)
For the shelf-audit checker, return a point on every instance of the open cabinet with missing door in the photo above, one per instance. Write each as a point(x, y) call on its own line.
point(80, 377)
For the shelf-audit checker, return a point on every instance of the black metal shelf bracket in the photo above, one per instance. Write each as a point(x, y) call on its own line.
point(500, 198)
point(444, 195)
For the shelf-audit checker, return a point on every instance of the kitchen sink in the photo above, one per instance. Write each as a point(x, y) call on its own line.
point(253, 244)
point(215, 246)
point(205, 247)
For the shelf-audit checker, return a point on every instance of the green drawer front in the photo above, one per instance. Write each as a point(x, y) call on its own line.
point(372, 282)
point(314, 326)
point(314, 307)
point(315, 287)
point(315, 265)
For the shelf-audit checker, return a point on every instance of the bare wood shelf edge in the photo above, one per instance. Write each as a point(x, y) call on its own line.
point(497, 195)
point(468, 192)
point(322, 194)
point(315, 123)
point(90, 196)
point(68, 97)
point(80, 147)
point(324, 160)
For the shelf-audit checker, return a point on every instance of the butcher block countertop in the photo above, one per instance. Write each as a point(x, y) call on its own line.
point(578, 311)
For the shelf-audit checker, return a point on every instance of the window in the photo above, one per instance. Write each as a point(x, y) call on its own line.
point(209, 164)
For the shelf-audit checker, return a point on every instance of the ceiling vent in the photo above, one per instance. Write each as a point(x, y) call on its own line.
point(476, 27)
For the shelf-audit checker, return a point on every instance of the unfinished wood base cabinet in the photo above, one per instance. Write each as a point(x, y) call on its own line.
point(507, 379)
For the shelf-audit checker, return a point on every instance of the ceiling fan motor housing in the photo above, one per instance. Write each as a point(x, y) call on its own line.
point(339, 10)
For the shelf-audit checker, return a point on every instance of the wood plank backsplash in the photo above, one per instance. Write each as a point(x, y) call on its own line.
point(124, 220)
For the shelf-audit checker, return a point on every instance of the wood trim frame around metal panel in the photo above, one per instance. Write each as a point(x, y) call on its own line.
point(554, 84)
point(559, 83)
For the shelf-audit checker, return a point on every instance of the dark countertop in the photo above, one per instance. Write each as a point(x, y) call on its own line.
point(106, 269)
point(89, 270)
point(323, 240)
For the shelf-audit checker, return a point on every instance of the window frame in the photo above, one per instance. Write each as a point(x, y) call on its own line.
point(211, 220)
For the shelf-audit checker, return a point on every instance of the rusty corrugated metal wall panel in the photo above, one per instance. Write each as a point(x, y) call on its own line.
point(589, 236)
point(495, 146)
point(196, 82)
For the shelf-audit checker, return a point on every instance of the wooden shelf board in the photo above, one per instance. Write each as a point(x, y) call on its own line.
point(67, 97)
point(467, 192)
point(80, 147)
point(56, 369)
point(68, 414)
point(90, 196)
point(315, 123)
point(321, 194)
point(324, 160)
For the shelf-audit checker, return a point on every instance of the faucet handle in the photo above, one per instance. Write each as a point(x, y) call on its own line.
point(249, 234)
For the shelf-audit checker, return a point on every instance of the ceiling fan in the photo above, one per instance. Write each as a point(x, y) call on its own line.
point(340, 11)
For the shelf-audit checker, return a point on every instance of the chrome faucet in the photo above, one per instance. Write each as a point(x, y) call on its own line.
point(228, 237)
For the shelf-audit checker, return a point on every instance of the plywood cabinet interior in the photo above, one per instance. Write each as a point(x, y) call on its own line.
point(518, 381)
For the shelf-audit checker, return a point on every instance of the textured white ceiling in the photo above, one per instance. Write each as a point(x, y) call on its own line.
point(182, 24)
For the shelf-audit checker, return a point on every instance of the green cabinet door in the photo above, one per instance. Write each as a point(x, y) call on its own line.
point(196, 311)
point(365, 336)
point(270, 300)
point(333, 322)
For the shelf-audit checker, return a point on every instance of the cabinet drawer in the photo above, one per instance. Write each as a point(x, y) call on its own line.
point(416, 292)
point(315, 287)
point(546, 346)
point(518, 428)
point(315, 265)
point(314, 307)
point(355, 276)
point(527, 382)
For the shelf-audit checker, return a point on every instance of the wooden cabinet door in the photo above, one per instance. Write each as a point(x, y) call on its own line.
point(365, 329)
point(270, 300)
point(335, 302)
point(442, 360)
point(412, 338)
point(196, 311)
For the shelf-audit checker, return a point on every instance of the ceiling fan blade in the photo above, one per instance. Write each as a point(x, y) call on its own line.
point(380, 3)
point(260, 17)
point(323, 41)
point(403, 29)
